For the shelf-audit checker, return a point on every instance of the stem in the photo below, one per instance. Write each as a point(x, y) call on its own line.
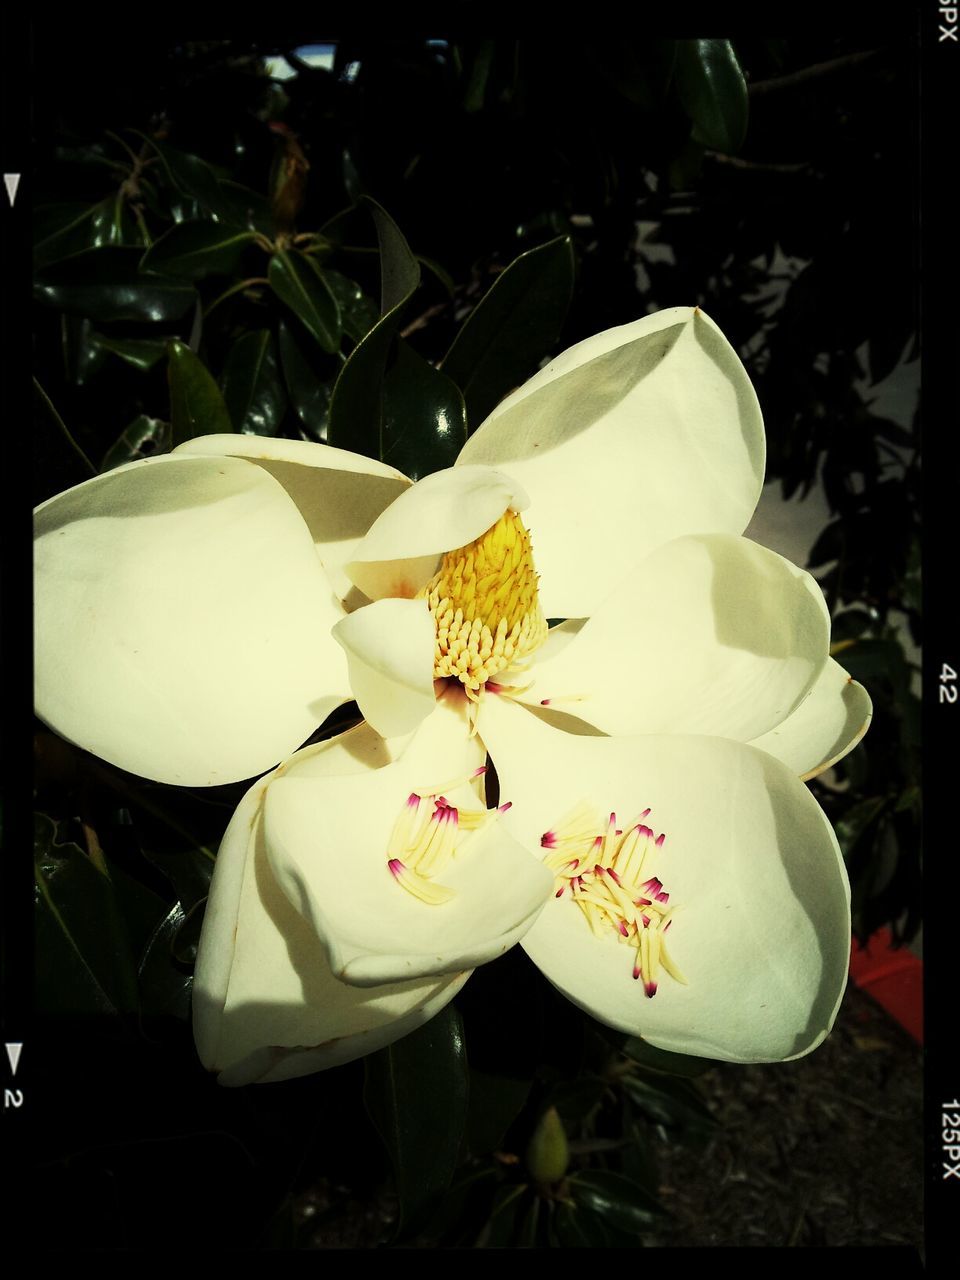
point(810, 73)
point(63, 427)
point(235, 288)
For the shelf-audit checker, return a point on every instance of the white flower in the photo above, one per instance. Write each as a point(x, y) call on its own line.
point(199, 614)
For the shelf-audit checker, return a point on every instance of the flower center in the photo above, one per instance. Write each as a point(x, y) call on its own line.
point(485, 606)
point(606, 871)
point(428, 833)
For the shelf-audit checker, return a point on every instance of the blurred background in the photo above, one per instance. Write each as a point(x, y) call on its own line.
point(203, 235)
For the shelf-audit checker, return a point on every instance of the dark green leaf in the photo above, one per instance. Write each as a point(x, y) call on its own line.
point(296, 280)
point(578, 1227)
point(358, 312)
point(246, 208)
point(424, 418)
point(356, 412)
point(144, 438)
point(195, 178)
point(196, 405)
point(495, 1102)
point(621, 1203)
point(252, 388)
point(67, 230)
point(78, 905)
point(142, 353)
point(197, 249)
point(669, 1101)
point(674, 1064)
point(82, 355)
point(105, 284)
point(515, 324)
point(309, 393)
point(713, 92)
point(416, 1096)
point(165, 983)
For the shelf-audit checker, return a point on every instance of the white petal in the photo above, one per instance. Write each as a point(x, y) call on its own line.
point(390, 653)
point(328, 843)
point(762, 926)
point(183, 620)
point(439, 513)
point(629, 439)
point(710, 634)
point(827, 724)
point(266, 1005)
point(339, 494)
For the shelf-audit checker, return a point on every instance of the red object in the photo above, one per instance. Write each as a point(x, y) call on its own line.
point(893, 976)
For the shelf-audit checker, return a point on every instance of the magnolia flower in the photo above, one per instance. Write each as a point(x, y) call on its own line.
point(199, 614)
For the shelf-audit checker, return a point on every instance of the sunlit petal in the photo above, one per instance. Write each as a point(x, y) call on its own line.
point(761, 929)
point(266, 1004)
point(629, 439)
point(827, 724)
point(441, 512)
point(183, 620)
point(333, 846)
point(339, 494)
point(390, 646)
point(710, 634)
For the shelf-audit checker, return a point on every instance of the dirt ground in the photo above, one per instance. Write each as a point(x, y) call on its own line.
point(826, 1151)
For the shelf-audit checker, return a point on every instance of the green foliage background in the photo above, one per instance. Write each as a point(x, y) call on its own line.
point(372, 256)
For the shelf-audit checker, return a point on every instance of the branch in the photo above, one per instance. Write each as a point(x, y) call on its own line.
point(811, 73)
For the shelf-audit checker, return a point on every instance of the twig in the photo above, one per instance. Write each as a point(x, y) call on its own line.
point(810, 73)
point(63, 427)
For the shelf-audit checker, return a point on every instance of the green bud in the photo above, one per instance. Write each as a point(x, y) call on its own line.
point(548, 1153)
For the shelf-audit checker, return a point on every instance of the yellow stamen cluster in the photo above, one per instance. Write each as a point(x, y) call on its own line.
point(485, 606)
point(427, 834)
point(606, 872)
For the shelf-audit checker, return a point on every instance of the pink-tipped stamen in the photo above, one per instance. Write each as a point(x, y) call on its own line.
point(650, 989)
point(660, 839)
point(396, 867)
point(505, 806)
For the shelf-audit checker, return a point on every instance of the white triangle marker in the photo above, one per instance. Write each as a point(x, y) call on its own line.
point(11, 182)
point(13, 1050)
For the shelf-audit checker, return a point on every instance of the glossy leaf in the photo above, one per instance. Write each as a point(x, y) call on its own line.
point(296, 281)
point(196, 405)
point(416, 1095)
point(82, 355)
point(252, 387)
point(194, 178)
point(424, 417)
point(670, 1101)
point(165, 983)
point(79, 907)
point(142, 353)
point(515, 324)
point(358, 312)
point(621, 1203)
point(144, 438)
point(713, 93)
point(197, 249)
point(356, 412)
point(105, 284)
point(309, 393)
point(246, 208)
point(64, 231)
point(674, 1064)
point(578, 1227)
point(495, 1102)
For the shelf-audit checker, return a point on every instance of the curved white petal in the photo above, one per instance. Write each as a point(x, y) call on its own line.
point(339, 494)
point(827, 724)
point(629, 439)
point(390, 650)
point(329, 843)
point(439, 513)
point(266, 1005)
point(762, 924)
point(182, 620)
point(709, 634)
